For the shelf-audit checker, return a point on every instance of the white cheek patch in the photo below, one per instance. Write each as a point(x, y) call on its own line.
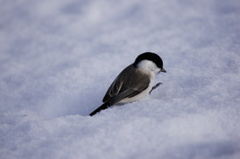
point(149, 66)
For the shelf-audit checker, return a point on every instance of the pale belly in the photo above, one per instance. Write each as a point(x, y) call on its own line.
point(137, 97)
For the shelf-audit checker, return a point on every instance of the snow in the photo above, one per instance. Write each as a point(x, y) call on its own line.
point(58, 57)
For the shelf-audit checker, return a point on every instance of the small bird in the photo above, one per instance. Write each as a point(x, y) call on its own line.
point(134, 82)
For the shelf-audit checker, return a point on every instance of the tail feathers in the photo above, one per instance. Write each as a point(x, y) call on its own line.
point(102, 107)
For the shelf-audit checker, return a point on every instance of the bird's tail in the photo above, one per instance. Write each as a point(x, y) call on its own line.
point(102, 107)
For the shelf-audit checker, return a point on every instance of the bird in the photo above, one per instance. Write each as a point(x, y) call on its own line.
point(134, 82)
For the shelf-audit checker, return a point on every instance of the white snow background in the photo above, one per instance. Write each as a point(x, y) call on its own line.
point(58, 57)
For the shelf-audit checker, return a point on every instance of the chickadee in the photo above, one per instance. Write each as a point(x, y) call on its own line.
point(134, 82)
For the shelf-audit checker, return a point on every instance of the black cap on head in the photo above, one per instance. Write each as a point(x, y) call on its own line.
point(149, 56)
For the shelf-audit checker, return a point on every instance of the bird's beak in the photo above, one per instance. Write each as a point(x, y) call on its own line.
point(163, 70)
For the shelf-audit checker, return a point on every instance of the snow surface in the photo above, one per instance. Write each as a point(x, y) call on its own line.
point(58, 57)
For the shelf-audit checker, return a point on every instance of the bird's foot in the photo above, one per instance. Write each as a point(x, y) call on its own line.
point(154, 87)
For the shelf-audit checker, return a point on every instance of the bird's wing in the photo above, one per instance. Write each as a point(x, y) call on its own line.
point(127, 84)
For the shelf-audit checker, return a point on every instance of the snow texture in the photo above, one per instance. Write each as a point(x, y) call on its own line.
point(58, 57)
